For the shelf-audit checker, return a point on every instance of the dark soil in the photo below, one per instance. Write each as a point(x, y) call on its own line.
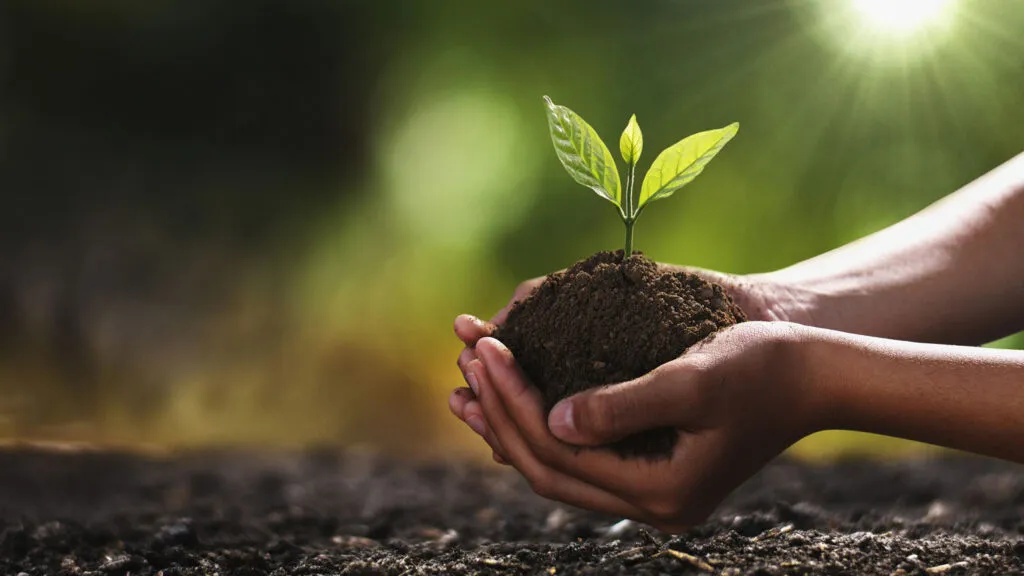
point(604, 321)
point(327, 512)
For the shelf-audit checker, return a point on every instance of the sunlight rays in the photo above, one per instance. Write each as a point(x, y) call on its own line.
point(902, 17)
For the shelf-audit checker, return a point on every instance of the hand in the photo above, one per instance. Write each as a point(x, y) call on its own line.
point(462, 401)
point(761, 296)
point(738, 400)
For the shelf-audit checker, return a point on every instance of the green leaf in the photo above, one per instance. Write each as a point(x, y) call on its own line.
point(680, 163)
point(631, 144)
point(583, 153)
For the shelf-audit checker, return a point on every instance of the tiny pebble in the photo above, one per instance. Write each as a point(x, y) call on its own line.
point(557, 519)
point(619, 528)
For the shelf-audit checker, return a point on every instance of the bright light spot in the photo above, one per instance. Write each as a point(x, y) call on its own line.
point(457, 166)
point(902, 16)
point(887, 34)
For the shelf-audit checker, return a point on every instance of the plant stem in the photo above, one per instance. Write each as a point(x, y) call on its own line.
point(629, 192)
point(629, 239)
point(630, 217)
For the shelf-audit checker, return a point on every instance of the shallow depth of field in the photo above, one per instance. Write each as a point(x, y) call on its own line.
point(226, 225)
point(232, 226)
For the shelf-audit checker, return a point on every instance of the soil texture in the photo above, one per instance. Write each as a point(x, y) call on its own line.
point(332, 512)
point(605, 320)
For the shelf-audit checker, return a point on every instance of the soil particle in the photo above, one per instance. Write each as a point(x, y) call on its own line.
point(293, 514)
point(605, 320)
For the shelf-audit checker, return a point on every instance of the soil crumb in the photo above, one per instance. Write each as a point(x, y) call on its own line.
point(605, 320)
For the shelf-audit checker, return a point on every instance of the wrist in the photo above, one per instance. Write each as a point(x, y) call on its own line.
point(843, 374)
point(808, 357)
point(790, 300)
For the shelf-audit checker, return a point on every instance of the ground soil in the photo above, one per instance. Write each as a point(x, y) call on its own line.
point(604, 321)
point(331, 512)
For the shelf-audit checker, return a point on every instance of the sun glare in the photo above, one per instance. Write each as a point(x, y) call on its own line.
point(902, 16)
point(887, 33)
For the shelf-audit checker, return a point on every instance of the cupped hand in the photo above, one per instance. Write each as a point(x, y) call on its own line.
point(470, 329)
point(760, 296)
point(738, 400)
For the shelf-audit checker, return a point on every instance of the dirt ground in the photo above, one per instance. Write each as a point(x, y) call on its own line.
point(329, 512)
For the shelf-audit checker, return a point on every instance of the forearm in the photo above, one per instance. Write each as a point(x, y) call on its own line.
point(960, 397)
point(953, 273)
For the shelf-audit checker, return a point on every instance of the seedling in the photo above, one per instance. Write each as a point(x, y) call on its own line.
point(587, 159)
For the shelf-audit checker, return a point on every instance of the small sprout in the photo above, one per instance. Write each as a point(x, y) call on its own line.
point(587, 159)
point(631, 144)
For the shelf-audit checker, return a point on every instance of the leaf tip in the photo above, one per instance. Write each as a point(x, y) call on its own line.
point(631, 143)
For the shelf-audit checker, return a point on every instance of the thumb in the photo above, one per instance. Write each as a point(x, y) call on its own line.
point(609, 413)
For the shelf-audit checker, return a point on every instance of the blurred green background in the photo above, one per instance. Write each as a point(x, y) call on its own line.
point(253, 223)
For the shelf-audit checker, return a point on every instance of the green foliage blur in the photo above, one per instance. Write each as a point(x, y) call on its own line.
point(254, 223)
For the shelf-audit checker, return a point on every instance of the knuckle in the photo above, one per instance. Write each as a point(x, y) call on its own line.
point(669, 371)
point(545, 452)
point(596, 416)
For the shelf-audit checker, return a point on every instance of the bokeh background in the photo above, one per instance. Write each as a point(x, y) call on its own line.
point(253, 223)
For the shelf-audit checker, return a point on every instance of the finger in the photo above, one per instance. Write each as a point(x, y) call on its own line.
point(703, 273)
point(545, 481)
point(469, 329)
point(457, 401)
point(521, 401)
point(663, 397)
point(465, 357)
point(522, 417)
point(477, 422)
point(520, 293)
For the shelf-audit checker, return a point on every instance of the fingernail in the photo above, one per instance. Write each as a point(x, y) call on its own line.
point(471, 380)
point(478, 322)
point(561, 419)
point(477, 424)
point(494, 344)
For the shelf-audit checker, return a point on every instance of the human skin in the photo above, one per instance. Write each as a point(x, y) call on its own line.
point(861, 338)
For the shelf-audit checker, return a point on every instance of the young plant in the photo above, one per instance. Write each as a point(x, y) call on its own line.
point(587, 159)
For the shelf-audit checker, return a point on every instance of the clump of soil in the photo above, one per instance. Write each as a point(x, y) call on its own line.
point(605, 320)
